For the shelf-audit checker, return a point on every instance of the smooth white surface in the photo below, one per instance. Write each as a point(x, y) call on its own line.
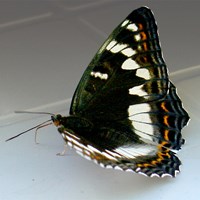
point(44, 49)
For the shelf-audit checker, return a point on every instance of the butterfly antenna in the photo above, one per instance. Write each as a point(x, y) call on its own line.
point(31, 112)
point(35, 127)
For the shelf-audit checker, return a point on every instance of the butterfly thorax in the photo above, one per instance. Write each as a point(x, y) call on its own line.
point(73, 123)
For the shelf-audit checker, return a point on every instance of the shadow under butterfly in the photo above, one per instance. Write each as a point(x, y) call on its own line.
point(125, 113)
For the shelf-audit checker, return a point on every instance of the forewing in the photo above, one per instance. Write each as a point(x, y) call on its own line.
point(128, 69)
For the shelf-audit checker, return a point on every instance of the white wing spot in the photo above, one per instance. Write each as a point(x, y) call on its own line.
point(109, 167)
point(111, 44)
point(154, 175)
point(132, 152)
point(108, 156)
point(76, 143)
point(139, 48)
point(143, 73)
point(139, 108)
point(93, 149)
point(166, 175)
point(129, 170)
point(132, 27)
point(125, 23)
point(118, 168)
point(87, 157)
point(140, 125)
point(143, 130)
point(101, 165)
point(129, 52)
point(138, 90)
point(77, 148)
point(138, 169)
point(130, 64)
point(117, 48)
point(72, 136)
point(99, 75)
point(112, 153)
point(137, 37)
point(142, 173)
point(144, 135)
point(141, 117)
point(69, 143)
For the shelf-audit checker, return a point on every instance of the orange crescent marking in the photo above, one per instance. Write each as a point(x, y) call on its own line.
point(166, 134)
point(163, 106)
point(154, 162)
point(144, 36)
point(167, 154)
point(160, 156)
point(166, 120)
point(140, 26)
point(145, 46)
point(161, 145)
point(144, 165)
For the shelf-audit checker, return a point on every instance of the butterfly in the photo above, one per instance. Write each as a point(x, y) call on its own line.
point(125, 113)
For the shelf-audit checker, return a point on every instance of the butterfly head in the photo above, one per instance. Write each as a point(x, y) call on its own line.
point(57, 120)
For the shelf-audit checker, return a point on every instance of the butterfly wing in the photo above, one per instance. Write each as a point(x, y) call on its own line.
point(129, 66)
point(136, 113)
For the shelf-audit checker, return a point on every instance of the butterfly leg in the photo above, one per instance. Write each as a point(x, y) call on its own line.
point(36, 130)
point(63, 152)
